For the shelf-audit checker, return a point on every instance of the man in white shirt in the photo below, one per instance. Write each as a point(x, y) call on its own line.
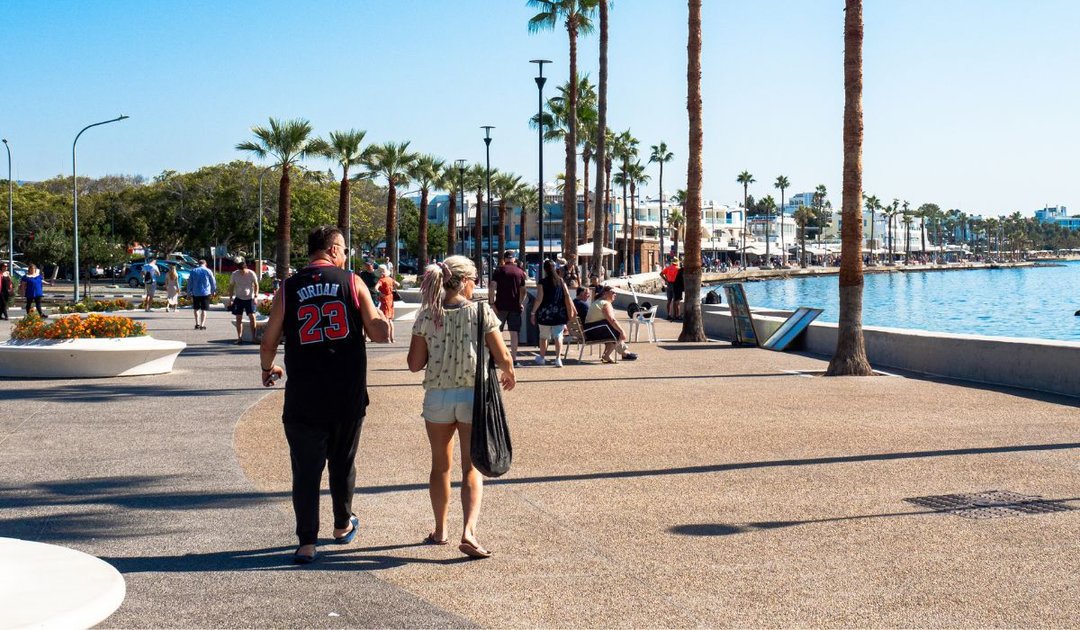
point(245, 285)
point(150, 273)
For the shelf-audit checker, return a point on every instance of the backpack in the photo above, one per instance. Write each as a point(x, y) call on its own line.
point(147, 276)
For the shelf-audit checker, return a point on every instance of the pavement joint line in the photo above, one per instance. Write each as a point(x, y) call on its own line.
point(39, 411)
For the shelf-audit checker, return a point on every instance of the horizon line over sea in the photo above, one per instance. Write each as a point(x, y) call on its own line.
point(1031, 302)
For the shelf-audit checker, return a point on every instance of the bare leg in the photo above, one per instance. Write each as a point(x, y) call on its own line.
point(239, 325)
point(558, 346)
point(543, 347)
point(608, 349)
point(513, 345)
point(254, 332)
point(441, 439)
point(472, 487)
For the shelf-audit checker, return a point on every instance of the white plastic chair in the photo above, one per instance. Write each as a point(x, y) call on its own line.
point(646, 318)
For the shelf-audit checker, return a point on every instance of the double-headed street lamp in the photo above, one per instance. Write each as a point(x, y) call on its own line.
point(540, 80)
point(487, 161)
point(461, 188)
point(75, 194)
point(10, 214)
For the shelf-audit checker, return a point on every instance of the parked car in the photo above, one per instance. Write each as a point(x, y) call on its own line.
point(133, 276)
point(183, 258)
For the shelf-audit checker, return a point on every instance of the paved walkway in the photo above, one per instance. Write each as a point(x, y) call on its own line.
point(702, 485)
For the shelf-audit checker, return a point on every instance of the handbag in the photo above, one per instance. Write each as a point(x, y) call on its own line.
point(396, 296)
point(490, 449)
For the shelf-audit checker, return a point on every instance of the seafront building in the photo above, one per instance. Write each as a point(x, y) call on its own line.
point(1058, 215)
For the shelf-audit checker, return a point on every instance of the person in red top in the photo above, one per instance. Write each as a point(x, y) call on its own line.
point(507, 294)
point(669, 274)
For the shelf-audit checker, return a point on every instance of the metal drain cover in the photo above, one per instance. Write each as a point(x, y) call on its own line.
point(990, 504)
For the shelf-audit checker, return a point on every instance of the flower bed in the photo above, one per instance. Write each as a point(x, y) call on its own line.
point(78, 347)
point(97, 306)
point(76, 327)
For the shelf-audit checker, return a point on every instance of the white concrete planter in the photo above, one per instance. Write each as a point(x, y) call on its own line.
point(245, 324)
point(87, 358)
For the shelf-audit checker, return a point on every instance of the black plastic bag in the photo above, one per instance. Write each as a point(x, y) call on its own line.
point(490, 449)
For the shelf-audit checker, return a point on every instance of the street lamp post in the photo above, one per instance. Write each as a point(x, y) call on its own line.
point(487, 159)
point(75, 194)
point(11, 215)
point(461, 189)
point(261, 175)
point(540, 81)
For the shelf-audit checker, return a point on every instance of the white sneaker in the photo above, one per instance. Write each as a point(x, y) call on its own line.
point(558, 362)
point(539, 360)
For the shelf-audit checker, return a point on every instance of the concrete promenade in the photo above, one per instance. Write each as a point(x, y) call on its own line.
point(702, 485)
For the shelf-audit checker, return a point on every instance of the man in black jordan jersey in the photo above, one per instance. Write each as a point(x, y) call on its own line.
point(323, 312)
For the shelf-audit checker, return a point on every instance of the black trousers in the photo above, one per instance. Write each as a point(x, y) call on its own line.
point(3, 304)
point(311, 447)
point(36, 301)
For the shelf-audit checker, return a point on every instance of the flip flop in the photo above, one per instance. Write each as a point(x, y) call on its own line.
point(301, 558)
point(473, 551)
point(348, 538)
point(431, 540)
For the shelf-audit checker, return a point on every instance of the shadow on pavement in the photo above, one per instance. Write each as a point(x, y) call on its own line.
point(271, 559)
point(110, 392)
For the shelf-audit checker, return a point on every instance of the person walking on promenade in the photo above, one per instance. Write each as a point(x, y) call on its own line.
point(244, 286)
point(323, 311)
point(370, 280)
point(32, 290)
point(507, 296)
point(150, 273)
point(5, 290)
point(201, 286)
point(600, 325)
point(445, 344)
point(551, 311)
point(668, 274)
point(172, 289)
point(679, 287)
point(385, 288)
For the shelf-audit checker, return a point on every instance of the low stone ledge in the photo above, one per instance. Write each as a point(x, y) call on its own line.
point(88, 358)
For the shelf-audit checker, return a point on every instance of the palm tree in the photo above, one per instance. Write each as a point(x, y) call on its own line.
point(287, 142)
point(343, 149)
point(676, 221)
point(602, 159)
point(661, 155)
point(505, 185)
point(624, 148)
point(425, 172)
point(782, 183)
point(391, 161)
point(475, 178)
point(692, 329)
point(522, 197)
point(449, 180)
point(803, 216)
point(872, 204)
point(744, 178)
point(850, 356)
point(637, 176)
point(622, 178)
point(769, 204)
point(576, 16)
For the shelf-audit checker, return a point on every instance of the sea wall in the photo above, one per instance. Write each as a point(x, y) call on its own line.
point(1035, 364)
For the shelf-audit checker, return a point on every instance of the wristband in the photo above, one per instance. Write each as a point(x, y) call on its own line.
point(267, 369)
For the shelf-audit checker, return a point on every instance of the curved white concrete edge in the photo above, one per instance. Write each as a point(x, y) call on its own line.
point(1036, 364)
point(48, 586)
point(88, 358)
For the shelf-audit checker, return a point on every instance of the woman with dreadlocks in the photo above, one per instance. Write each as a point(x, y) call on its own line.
point(444, 341)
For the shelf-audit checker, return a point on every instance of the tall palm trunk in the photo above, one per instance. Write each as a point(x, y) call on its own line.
point(625, 228)
point(570, 226)
point(502, 223)
point(391, 224)
point(850, 356)
point(599, 226)
point(872, 219)
point(633, 228)
point(284, 223)
point(585, 198)
point(451, 224)
point(521, 239)
point(922, 235)
point(422, 236)
point(783, 251)
point(607, 205)
point(692, 329)
point(478, 233)
point(343, 204)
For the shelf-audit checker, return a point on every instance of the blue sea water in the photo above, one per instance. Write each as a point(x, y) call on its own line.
point(1037, 302)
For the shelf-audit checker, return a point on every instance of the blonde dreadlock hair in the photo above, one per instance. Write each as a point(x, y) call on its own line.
point(440, 277)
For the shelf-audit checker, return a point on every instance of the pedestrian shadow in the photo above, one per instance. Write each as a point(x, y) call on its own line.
point(135, 387)
point(273, 559)
point(661, 377)
point(728, 529)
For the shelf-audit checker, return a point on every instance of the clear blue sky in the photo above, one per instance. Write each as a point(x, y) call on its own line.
point(968, 103)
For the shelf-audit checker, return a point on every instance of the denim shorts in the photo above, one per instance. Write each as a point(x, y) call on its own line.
point(447, 406)
point(551, 333)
